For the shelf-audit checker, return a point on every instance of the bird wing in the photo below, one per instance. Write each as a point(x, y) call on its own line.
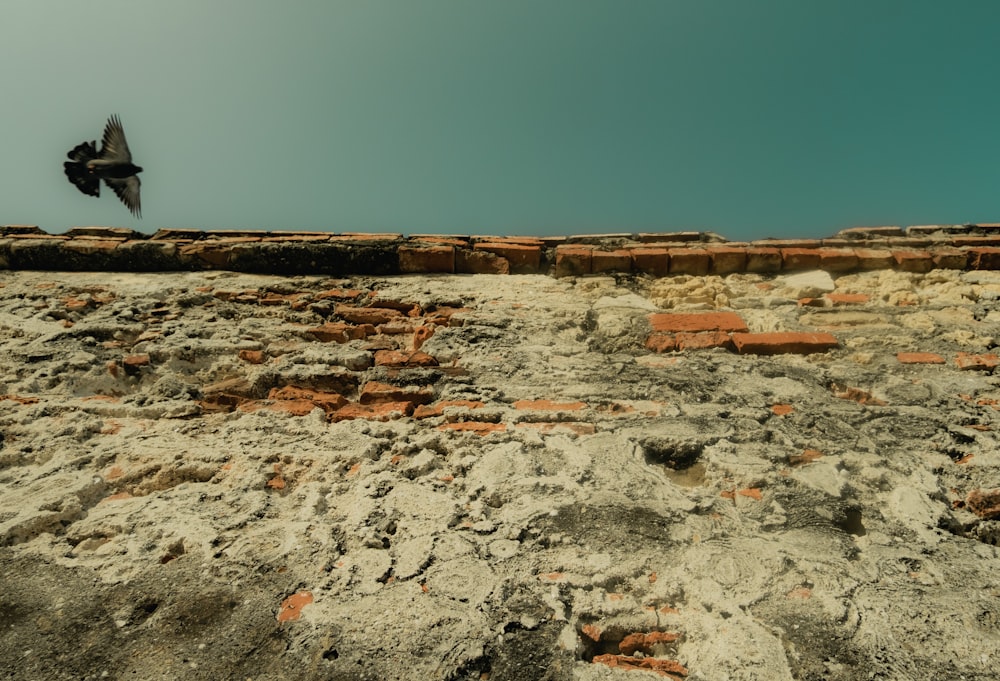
point(127, 190)
point(113, 145)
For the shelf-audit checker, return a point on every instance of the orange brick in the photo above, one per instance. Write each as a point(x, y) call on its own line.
point(478, 427)
point(480, 262)
point(984, 258)
point(611, 261)
point(654, 261)
point(381, 411)
point(874, 259)
point(948, 258)
point(783, 343)
point(549, 405)
point(727, 259)
point(913, 261)
point(399, 358)
point(800, 258)
point(763, 259)
point(252, 356)
point(663, 667)
point(703, 340)
point(847, 298)
point(375, 392)
point(693, 261)
point(573, 260)
point(644, 643)
point(838, 259)
point(782, 409)
point(673, 322)
point(291, 607)
point(984, 503)
point(919, 358)
point(523, 258)
point(368, 315)
point(978, 362)
point(661, 342)
point(423, 259)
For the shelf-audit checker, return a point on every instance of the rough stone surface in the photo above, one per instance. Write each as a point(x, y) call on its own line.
point(214, 475)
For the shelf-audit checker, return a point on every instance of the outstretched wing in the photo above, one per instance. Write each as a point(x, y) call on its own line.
point(127, 190)
point(113, 145)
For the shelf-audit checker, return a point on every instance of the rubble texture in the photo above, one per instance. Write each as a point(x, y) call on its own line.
point(748, 474)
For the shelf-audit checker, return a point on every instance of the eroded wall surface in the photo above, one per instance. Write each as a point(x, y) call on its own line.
point(753, 475)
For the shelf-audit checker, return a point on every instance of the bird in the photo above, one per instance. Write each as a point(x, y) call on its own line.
point(86, 167)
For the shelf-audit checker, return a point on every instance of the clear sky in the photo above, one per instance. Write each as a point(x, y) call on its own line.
point(749, 118)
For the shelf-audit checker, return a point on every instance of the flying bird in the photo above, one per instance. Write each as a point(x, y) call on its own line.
point(86, 167)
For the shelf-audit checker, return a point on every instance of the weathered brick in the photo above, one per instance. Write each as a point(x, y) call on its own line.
point(661, 342)
point(663, 667)
point(400, 358)
point(919, 358)
point(480, 428)
point(674, 322)
point(375, 392)
point(800, 258)
point(480, 262)
point(368, 315)
point(703, 340)
point(651, 260)
point(326, 401)
point(573, 260)
point(988, 362)
point(645, 642)
point(838, 259)
point(426, 259)
point(763, 259)
point(378, 411)
point(291, 607)
point(524, 258)
point(777, 343)
point(252, 356)
point(727, 259)
point(548, 405)
point(913, 261)
point(984, 503)
point(874, 258)
point(693, 261)
point(847, 298)
point(619, 260)
point(984, 258)
point(949, 258)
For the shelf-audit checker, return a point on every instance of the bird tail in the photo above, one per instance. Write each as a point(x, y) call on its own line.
point(83, 152)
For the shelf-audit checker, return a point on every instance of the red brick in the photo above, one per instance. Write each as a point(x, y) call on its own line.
point(847, 298)
point(661, 342)
point(984, 503)
point(134, 363)
point(984, 258)
point(338, 332)
point(252, 356)
point(783, 343)
point(326, 401)
point(727, 259)
point(291, 607)
point(421, 334)
point(800, 258)
point(919, 358)
point(368, 315)
point(480, 262)
point(399, 358)
point(762, 259)
point(668, 668)
point(694, 261)
point(980, 362)
point(611, 261)
point(874, 259)
point(838, 259)
point(523, 257)
point(703, 340)
point(673, 322)
point(423, 259)
point(782, 409)
point(379, 411)
point(913, 261)
point(549, 405)
point(573, 260)
point(375, 392)
point(654, 261)
point(339, 294)
point(480, 428)
point(948, 258)
point(644, 643)
point(213, 254)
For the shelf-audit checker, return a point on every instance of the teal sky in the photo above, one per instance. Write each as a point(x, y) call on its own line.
point(751, 119)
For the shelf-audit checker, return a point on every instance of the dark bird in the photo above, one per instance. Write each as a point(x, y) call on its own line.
point(86, 168)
